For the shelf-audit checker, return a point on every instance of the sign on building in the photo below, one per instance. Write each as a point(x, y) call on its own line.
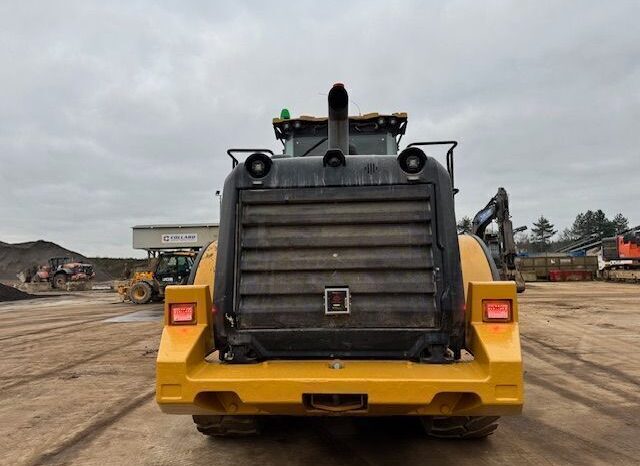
point(175, 238)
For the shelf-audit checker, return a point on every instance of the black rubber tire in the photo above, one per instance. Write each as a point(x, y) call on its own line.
point(59, 281)
point(140, 293)
point(460, 427)
point(227, 426)
point(521, 285)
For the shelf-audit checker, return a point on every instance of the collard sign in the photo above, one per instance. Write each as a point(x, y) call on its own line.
point(173, 238)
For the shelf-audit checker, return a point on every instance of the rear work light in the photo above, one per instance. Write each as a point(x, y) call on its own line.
point(497, 310)
point(412, 160)
point(183, 313)
point(258, 165)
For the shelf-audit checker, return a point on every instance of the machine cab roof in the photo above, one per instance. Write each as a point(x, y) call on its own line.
point(370, 134)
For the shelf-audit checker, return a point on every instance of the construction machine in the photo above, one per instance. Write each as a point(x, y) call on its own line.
point(58, 271)
point(619, 257)
point(502, 245)
point(339, 287)
point(148, 283)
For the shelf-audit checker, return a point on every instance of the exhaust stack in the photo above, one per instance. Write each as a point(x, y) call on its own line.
point(338, 118)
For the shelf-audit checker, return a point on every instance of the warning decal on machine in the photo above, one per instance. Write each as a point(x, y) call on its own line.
point(180, 238)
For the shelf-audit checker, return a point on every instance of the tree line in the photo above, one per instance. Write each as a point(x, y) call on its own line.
point(542, 236)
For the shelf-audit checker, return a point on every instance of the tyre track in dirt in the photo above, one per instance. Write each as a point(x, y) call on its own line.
point(613, 412)
point(554, 442)
point(72, 327)
point(577, 372)
point(53, 319)
point(64, 367)
point(609, 370)
point(84, 434)
point(57, 327)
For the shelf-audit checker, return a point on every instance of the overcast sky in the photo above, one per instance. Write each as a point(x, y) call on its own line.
point(119, 113)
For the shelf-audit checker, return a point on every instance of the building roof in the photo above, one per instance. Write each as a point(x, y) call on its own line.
point(176, 225)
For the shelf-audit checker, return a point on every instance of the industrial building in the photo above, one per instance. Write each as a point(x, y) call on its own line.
point(155, 238)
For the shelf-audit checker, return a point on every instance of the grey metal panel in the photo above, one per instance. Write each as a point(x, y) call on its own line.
point(314, 282)
point(332, 258)
point(261, 304)
point(368, 311)
point(276, 196)
point(388, 234)
point(376, 240)
point(332, 212)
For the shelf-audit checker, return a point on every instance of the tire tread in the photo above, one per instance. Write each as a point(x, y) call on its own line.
point(227, 426)
point(460, 427)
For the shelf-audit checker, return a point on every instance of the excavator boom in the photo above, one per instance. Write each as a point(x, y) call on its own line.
point(498, 209)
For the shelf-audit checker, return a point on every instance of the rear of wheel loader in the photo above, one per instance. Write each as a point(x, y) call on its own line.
point(338, 287)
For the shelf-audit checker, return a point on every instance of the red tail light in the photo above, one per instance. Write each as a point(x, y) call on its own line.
point(182, 313)
point(497, 310)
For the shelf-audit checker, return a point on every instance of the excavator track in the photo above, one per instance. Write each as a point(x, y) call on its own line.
point(227, 426)
point(460, 427)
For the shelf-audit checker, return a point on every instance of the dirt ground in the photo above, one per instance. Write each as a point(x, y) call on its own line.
point(77, 375)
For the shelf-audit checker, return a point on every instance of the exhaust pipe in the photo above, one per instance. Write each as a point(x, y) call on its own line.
point(338, 118)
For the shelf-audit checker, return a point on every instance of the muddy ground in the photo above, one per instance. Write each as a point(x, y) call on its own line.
point(77, 388)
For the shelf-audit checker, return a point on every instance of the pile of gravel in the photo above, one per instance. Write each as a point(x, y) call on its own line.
point(9, 293)
point(14, 258)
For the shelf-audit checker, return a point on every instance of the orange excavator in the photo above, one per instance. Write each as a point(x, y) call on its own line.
point(620, 257)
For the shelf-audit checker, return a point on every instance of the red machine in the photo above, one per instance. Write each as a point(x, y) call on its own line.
point(58, 272)
point(621, 257)
point(629, 246)
point(625, 246)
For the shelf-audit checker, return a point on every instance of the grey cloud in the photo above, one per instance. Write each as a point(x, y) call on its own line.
point(120, 113)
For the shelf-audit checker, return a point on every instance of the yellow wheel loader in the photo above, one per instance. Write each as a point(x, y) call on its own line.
point(339, 287)
point(149, 283)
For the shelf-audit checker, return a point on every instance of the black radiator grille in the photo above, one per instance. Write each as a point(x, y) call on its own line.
point(375, 240)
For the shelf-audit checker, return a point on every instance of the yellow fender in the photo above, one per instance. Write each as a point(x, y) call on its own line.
point(475, 264)
point(206, 267)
